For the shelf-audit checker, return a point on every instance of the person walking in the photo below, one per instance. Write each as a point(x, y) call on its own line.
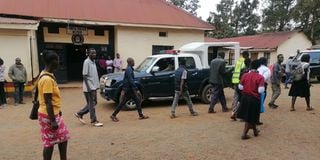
point(90, 87)
point(181, 89)
point(117, 63)
point(240, 64)
point(301, 87)
point(275, 81)
point(3, 99)
point(251, 85)
point(53, 128)
point(265, 72)
point(129, 91)
point(17, 72)
point(217, 71)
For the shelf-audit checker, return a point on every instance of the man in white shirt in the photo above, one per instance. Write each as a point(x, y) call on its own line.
point(90, 87)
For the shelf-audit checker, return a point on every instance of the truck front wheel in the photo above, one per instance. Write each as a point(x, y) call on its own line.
point(318, 78)
point(206, 94)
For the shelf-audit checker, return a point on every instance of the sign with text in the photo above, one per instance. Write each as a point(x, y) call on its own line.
point(77, 30)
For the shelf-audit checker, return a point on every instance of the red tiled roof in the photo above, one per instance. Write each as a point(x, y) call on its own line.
point(145, 12)
point(260, 41)
point(16, 21)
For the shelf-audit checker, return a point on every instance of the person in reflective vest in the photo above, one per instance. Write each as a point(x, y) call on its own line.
point(235, 81)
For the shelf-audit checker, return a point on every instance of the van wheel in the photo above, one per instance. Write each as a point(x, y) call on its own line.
point(130, 104)
point(206, 93)
point(318, 78)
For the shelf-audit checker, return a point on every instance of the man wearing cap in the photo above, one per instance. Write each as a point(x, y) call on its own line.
point(17, 72)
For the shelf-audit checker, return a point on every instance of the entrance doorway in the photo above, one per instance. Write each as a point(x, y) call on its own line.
point(76, 54)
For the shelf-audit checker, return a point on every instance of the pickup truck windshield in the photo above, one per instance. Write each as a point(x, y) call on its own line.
point(145, 64)
point(314, 56)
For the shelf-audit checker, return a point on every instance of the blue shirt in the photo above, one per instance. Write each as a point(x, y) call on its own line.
point(128, 79)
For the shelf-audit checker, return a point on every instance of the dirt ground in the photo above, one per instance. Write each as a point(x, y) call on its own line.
point(284, 134)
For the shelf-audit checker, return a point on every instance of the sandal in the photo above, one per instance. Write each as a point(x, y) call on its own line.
point(292, 109)
point(114, 118)
point(143, 117)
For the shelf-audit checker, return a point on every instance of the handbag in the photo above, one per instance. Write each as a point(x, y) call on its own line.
point(34, 110)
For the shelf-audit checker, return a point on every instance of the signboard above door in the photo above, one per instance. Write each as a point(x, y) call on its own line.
point(73, 30)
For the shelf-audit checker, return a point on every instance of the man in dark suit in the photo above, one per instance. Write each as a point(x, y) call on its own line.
point(217, 71)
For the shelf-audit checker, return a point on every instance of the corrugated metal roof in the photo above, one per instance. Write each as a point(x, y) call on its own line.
point(148, 12)
point(260, 41)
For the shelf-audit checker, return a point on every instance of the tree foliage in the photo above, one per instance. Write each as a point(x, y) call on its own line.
point(277, 15)
point(306, 15)
point(222, 20)
point(246, 19)
point(232, 19)
point(190, 6)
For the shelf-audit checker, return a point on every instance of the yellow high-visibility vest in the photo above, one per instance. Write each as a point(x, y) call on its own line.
point(237, 69)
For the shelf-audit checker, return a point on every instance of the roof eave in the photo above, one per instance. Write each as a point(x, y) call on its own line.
point(85, 22)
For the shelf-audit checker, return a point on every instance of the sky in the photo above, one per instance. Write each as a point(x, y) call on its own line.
point(205, 7)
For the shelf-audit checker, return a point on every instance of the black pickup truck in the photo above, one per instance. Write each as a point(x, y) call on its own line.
point(314, 62)
point(155, 77)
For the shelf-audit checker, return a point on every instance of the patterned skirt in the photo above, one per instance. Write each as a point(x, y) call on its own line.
point(51, 137)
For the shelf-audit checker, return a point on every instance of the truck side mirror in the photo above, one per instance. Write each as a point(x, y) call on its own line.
point(155, 69)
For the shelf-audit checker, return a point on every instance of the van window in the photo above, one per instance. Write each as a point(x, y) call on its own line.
point(190, 63)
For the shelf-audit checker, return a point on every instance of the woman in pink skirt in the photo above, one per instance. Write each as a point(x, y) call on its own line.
point(53, 129)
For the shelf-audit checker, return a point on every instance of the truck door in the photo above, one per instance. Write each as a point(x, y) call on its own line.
point(193, 75)
point(161, 82)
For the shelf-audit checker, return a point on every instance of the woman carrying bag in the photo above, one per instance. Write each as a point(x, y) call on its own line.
point(53, 129)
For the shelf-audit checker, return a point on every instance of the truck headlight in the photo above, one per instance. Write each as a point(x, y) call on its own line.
point(107, 82)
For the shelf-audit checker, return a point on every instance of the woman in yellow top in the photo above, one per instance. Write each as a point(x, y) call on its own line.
point(53, 129)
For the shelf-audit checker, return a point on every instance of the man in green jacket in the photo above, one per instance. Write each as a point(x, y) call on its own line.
point(17, 72)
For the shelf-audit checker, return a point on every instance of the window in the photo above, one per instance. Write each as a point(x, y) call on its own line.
point(156, 49)
point(267, 56)
point(166, 64)
point(163, 34)
point(53, 29)
point(190, 63)
point(99, 32)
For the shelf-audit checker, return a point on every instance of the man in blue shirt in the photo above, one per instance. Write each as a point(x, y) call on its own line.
point(129, 90)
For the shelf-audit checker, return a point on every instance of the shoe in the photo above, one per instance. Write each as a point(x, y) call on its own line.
point(225, 110)
point(273, 106)
point(143, 117)
point(114, 118)
point(260, 123)
point(173, 116)
point(244, 137)
point(309, 109)
point(292, 109)
point(80, 118)
point(16, 104)
point(194, 114)
point(97, 124)
point(22, 103)
point(211, 111)
point(256, 132)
